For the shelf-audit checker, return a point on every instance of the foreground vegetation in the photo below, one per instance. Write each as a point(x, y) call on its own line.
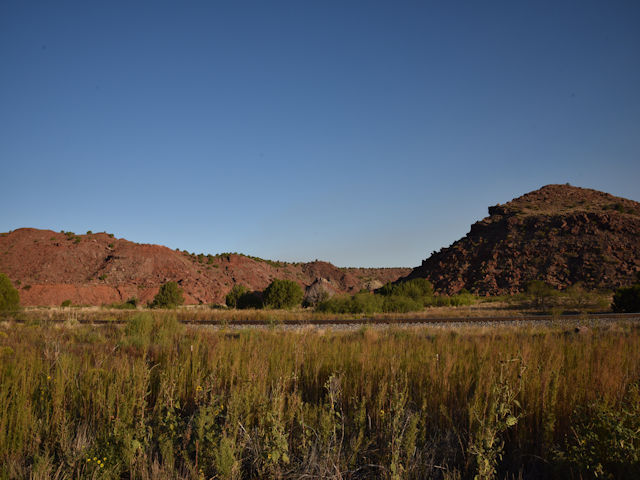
point(154, 399)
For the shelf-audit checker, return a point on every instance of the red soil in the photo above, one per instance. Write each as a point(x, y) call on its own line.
point(95, 269)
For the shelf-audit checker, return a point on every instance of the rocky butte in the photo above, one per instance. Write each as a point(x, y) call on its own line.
point(559, 234)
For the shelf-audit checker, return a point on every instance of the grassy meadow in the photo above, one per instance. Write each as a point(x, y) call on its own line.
point(154, 399)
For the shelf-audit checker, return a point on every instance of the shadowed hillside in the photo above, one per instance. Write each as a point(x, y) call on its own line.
point(559, 234)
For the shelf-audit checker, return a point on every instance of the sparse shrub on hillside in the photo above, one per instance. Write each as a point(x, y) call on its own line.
point(283, 294)
point(9, 296)
point(66, 303)
point(169, 296)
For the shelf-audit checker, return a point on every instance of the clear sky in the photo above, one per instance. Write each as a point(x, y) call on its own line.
point(364, 133)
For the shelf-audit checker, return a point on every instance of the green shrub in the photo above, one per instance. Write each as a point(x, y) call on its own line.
point(400, 304)
point(283, 294)
point(9, 296)
point(627, 299)
point(410, 296)
point(132, 303)
point(335, 304)
point(236, 292)
point(250, 300)
point(416, 289)
point(461, 299)
point(541, 295)
point(604, 440)
point(169, 296)
point(363, 302)
point(66, 303)
point(241, 297)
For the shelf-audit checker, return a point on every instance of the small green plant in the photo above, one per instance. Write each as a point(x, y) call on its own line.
point(604, 440)
point(9, 296)
point(169, 296)
point(130, 304)
point(66, 303)
point(102, 277)
point(283, 294)
point(488, 424)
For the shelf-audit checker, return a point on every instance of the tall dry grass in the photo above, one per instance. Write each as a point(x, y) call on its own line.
point(156, 399)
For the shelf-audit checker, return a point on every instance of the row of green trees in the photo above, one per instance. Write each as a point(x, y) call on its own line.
point(412, 295)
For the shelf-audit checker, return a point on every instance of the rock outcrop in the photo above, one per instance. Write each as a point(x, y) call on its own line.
point(559, 234)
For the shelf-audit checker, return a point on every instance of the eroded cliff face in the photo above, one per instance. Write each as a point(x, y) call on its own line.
point(559, 234)
point(49, 267)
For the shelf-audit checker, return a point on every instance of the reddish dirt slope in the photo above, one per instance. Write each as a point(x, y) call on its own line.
point(96, 269)
point(559, 234)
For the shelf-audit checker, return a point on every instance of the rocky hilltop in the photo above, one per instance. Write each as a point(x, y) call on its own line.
point(559, 234)
point(94, 269)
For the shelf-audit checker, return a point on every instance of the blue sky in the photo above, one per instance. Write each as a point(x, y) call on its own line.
point(362, 133)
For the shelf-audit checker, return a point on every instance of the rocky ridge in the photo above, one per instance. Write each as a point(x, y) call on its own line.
point(95, 269)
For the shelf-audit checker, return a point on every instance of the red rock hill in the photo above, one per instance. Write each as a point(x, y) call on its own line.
point(95, 269)
point(559, 234)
